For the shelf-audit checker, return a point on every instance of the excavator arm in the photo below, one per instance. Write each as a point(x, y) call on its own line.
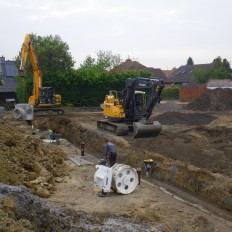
point(28, 50)
point(154, 97)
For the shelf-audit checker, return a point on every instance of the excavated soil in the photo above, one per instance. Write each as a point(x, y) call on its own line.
point(188, 137)
point(212, 100)
point(25, 160)
point(192, 152)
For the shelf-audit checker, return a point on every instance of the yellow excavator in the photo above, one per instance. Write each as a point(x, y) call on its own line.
point(130, 109)
point(43, 99)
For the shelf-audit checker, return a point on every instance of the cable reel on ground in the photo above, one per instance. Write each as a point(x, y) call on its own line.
point(122, 178)
point(125, 179)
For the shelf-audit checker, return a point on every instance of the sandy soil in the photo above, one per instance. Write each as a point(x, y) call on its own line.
point(199, 141)
point(187, 136)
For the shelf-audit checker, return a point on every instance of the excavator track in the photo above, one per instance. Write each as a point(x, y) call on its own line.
point(114, 127)
point(39, 112)
point(140, 129)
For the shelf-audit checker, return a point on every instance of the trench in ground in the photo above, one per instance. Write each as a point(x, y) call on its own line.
point(214, 188)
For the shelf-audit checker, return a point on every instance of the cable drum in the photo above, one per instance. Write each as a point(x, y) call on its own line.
point(124, 179)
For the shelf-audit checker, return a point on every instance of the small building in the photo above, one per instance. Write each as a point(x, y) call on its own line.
point(8, 72)
point(184, 74)
point(217, 83)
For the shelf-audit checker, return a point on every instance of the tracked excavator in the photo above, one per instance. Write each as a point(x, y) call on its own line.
point(43, 100)
point(130, 109)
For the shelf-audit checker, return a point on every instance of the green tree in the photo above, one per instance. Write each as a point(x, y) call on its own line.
point(95, 68)
point(53, 55)
point(221, 70)
point(190, 61)
point(107, 60)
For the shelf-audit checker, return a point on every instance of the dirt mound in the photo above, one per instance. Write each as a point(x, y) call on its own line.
point(212, 100)
point(223, 121)
point(22, 211)
point(25, 160)
point(170, 118)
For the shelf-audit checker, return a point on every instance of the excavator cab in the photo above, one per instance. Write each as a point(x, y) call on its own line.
point(137, 106)
point(47, 95)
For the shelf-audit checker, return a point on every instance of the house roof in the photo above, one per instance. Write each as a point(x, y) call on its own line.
point(134, 65)
point(157, 73)
point(8, 71)
point(129, 65)
point(184, 73)
point(11, 70)
point(215, 83)
point(168, 73)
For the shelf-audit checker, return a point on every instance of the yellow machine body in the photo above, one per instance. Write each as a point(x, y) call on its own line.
point(113, 108)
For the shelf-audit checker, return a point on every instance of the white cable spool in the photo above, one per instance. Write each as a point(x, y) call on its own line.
point(124, 179)
point(103, 177)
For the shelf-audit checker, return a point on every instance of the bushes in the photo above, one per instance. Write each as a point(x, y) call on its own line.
point(170, 92)
point(84, 90)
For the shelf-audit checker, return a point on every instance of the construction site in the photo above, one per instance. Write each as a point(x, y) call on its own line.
point(49, 186)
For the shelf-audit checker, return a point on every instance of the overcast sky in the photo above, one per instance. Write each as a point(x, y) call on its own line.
point(157, 33)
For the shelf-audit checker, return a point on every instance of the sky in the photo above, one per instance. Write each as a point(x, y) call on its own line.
point(156, 33)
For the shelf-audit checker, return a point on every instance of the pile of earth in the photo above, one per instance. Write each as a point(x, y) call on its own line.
point(28, 161)
point(212, 100)
point(22, 211)
point(171, 118)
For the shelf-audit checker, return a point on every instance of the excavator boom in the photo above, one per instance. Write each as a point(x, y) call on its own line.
point(43, 99)
point(28, 50)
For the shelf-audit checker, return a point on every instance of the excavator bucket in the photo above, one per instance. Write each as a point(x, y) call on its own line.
point(146, 129)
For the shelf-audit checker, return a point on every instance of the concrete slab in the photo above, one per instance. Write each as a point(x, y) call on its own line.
point(80, 161)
